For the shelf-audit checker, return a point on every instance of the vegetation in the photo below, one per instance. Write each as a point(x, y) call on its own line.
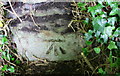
point(103, 36)
point(8, 56)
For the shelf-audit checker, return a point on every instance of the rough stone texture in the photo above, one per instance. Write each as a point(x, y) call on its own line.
point(51, 39)
point(27, 1)
point(38, 1)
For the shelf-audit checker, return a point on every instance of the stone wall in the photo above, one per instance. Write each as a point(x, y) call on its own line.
point(43, 31)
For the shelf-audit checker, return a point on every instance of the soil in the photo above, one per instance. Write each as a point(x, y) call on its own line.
point(54, 68)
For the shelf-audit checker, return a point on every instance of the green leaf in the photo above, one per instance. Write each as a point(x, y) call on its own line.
point(102, 22)
point(4, 53)
point(112, 20)
point(103, 15)
point(101, 71)
point(107, 33)
point(12, 59)
point(118, 62)
point(83, 9)
point(97, 50)
point(108, 30)
point(85, 51)
point(88, 42)
point(117, 32)
point(80, 4)
point(97, 34)
point(114, 11)
point(118, 44)
point(95, 9)
point(1, 50)
point(112, 45)
point(100, 2)
point(4, 40)
point(114, 5)
point(88, 35)
point(17, 61)
point(11, 69)
point(105, 37)
point(119, 13)
point(86, 21)
point(99, 23)
point(8, 57)
point(4, 67)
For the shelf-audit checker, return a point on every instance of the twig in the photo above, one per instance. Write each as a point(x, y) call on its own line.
point(33, 19)
point(9, 62)
point(5, 31)
point(31, 15)
point(95, 70)
point(15, 54)
point(70, 25)
point(87, 61)
point(6, 25)
point(14, 11)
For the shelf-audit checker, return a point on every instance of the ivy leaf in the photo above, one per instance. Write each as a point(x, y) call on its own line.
point(113, 5)
point(4, 40)
point(83, 9)
point(86, 21)
point(108, 30)
point(88, 35)
point(85, 51)
point(116, 63)
point(12, 59)
point(4, 53)
point(92, 10)
point(118, 44)
point(97, 50)
point(112, 45)
point(103, 15)
point(100, 2)
point(17, 61)
point(107, 33)
point(88, 42)
point(11, 69)
point(117, 32)
point(99, 23)
point(105, 37)
point(8, 57)
point(97, 34)
point(119, 13)
point(80, 4)
point(102, 22)
point(1, 50)
point(114, 11)
point(95, 9)
point(4, 67)
point(112, 20)
point(101, 71)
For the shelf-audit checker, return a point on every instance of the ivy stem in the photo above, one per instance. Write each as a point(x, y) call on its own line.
point(87, 61)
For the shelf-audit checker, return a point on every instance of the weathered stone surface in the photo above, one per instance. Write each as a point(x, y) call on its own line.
point(51, 39)
point(38, 1)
